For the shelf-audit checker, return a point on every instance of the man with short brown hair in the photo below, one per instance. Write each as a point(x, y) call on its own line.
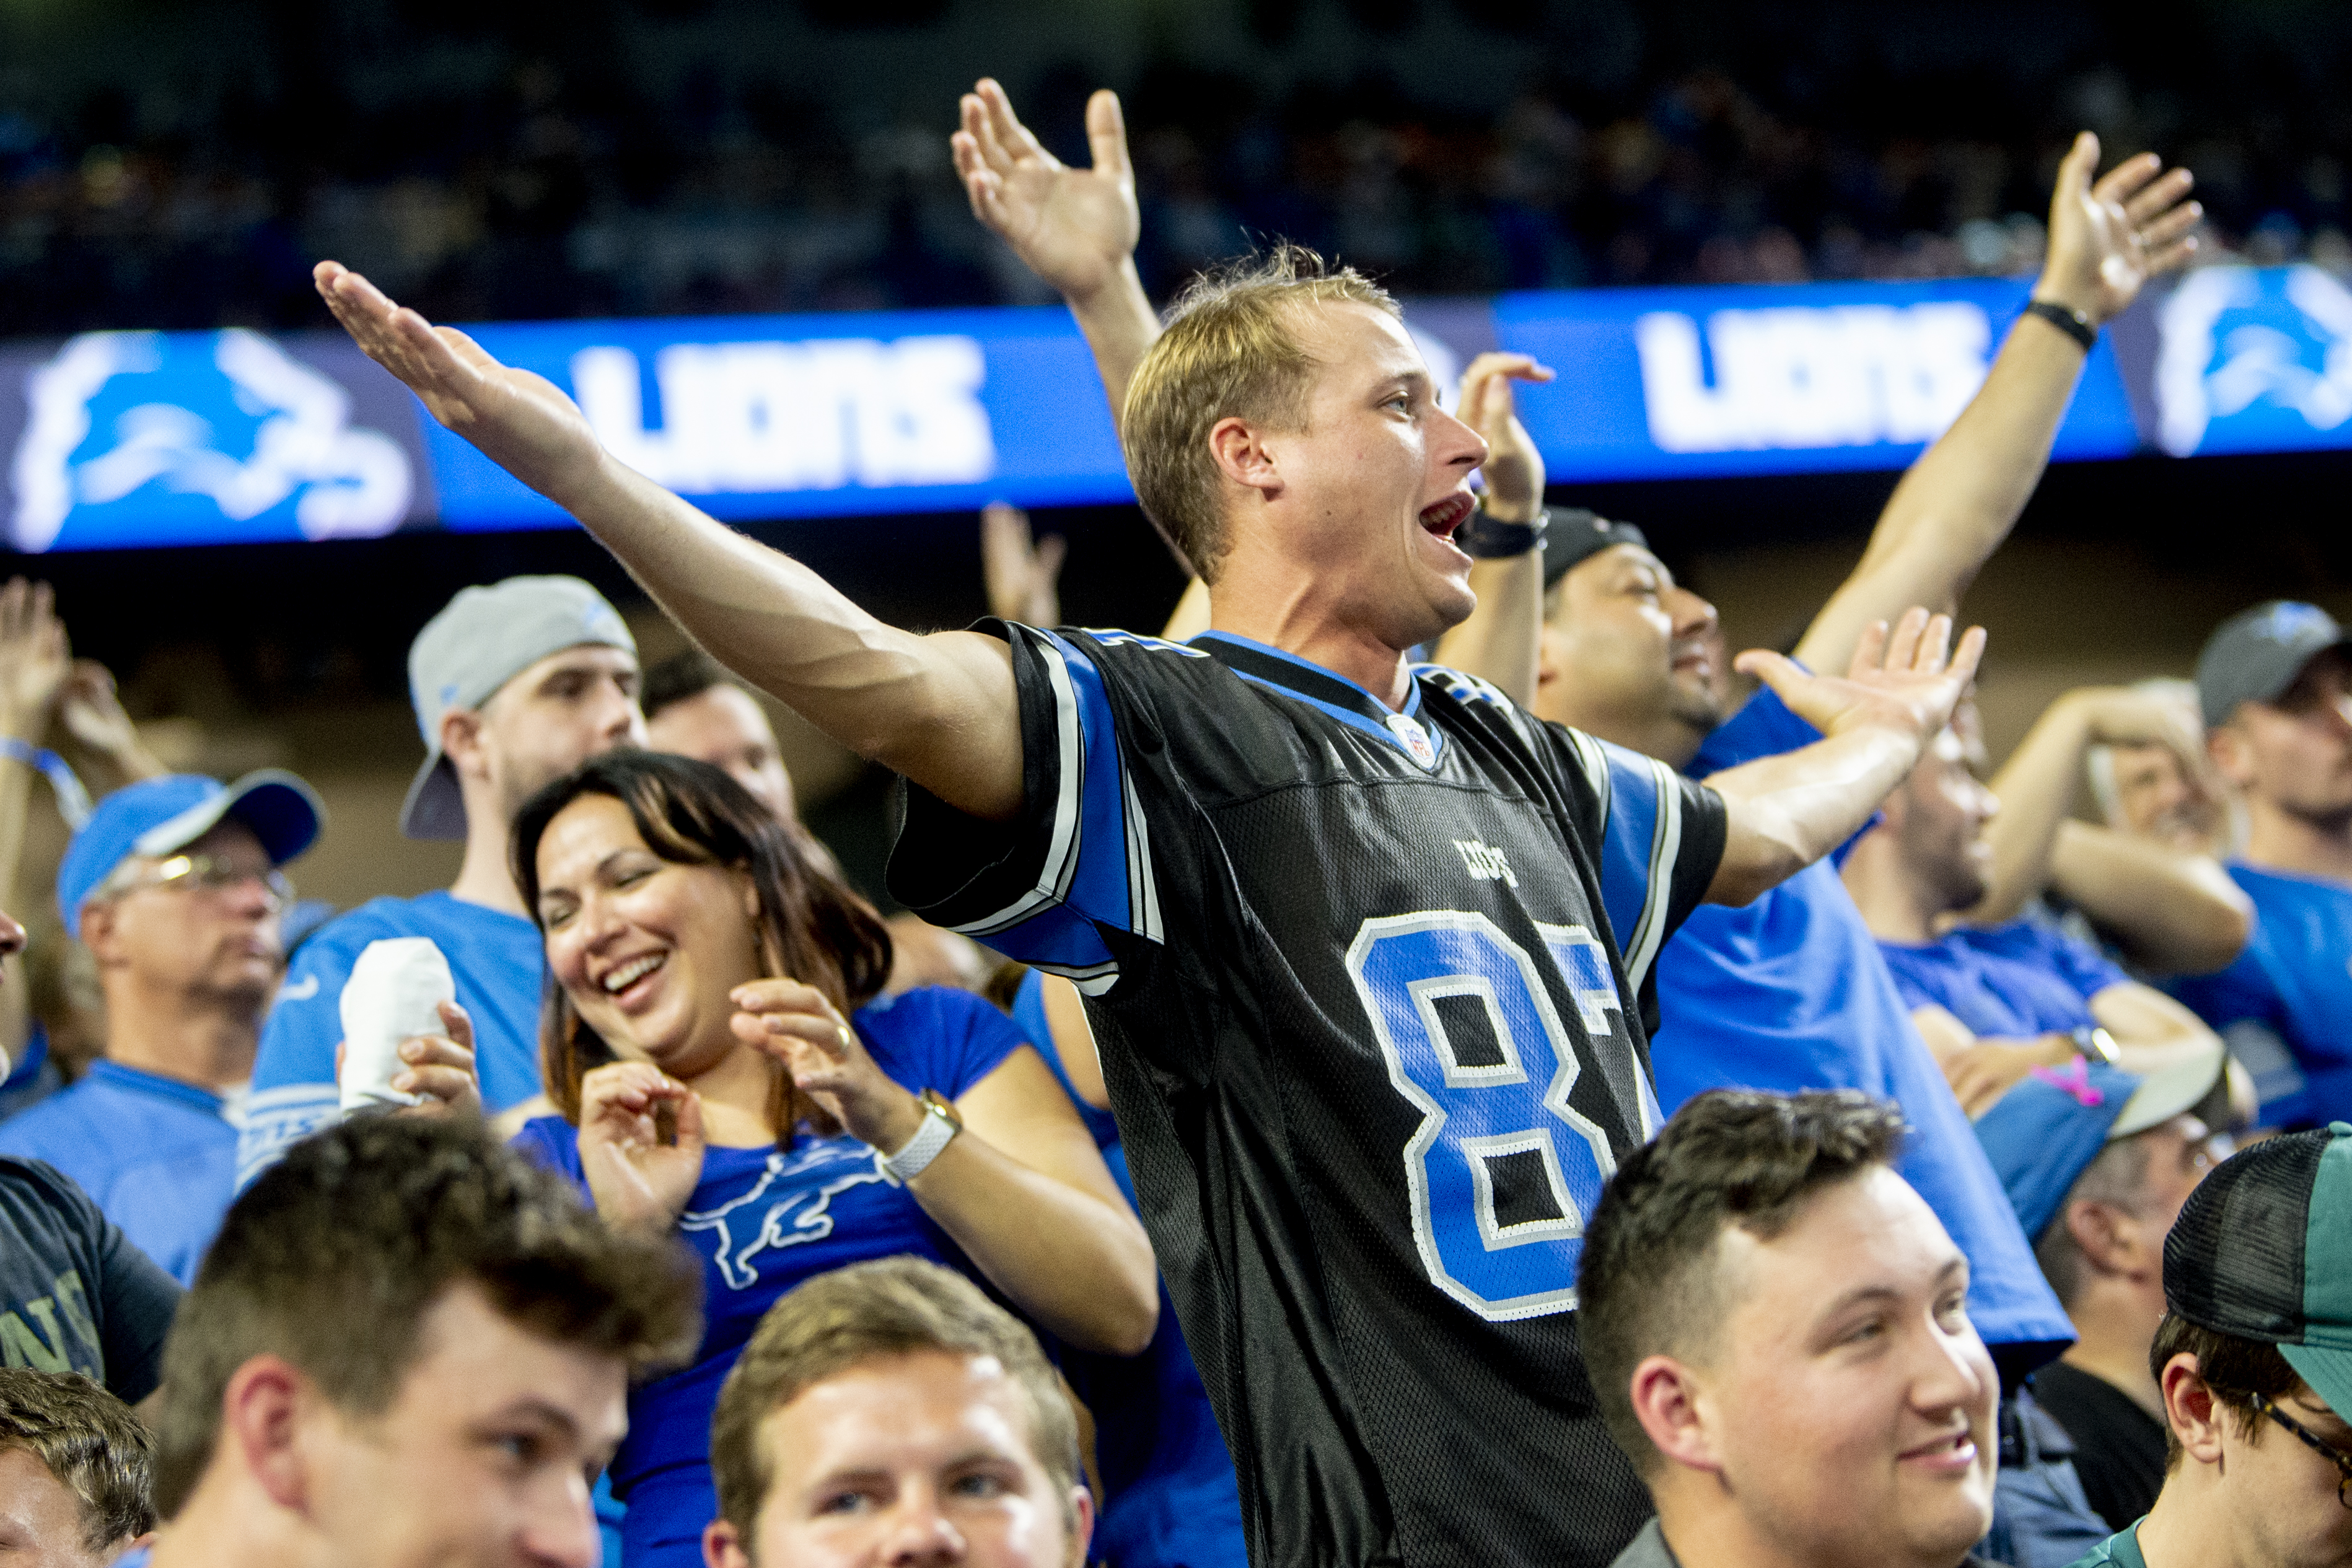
point(894, 1385)
point(408, 1346)
point(74, 1466)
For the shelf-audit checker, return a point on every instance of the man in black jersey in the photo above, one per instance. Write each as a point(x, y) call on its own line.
point(1366, 948)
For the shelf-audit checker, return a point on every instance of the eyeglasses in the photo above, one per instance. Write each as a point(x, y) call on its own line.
point(2312, 1440)
point(202, 873)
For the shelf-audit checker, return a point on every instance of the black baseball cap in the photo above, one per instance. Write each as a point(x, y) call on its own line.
point(1575, 533)
point(2256, 654)
point(2263, 1251)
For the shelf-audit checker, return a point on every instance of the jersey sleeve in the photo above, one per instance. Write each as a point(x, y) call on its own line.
point(552, 1143)
point(1055, 887)
point(294, 1091)
point(1657, 838)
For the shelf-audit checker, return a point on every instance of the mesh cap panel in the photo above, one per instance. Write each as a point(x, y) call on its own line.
point(2235, 1260)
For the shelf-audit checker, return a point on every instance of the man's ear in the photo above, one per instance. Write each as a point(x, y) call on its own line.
point(97, 930)
point(1551, 662)
point(722, 1548)
point(1241, 456)
point(263, 1411)
point(1082, 1528)
point(2191, 1409)
point(2110, 1239)
point(2226, 745)
point(1671, 1405)
point(462, 742)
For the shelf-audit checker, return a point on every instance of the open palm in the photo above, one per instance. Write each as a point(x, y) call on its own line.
point(1906, 679)
point(522, 421)
point(1075, 228)
point(2108, 237)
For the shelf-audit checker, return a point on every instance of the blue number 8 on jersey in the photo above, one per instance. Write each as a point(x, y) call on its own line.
point(1502, 1172)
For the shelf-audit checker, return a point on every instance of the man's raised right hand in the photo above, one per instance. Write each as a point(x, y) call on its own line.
point(1075, 229)
point(522, 422)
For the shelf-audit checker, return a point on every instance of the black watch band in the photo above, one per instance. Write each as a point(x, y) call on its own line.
point(2067, 319)
point(1485, 537)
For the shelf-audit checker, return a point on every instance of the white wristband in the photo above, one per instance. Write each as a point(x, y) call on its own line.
point(936, 1133)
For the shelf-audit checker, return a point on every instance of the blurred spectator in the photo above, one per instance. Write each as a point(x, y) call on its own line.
point(785, 1127)
point(2154, 895)
point(173, 885)
point(513, 685)
point(1993, 1002)
point(75, 1294)
point(2252, 1363)
point(1779, 1339)
point(2098, 1163)
point(895, 1380)
point(74, 1472)
point(2147, 789)
point(476, 180)
point(408, 1346)
point(2274, 684)
point(694, 708)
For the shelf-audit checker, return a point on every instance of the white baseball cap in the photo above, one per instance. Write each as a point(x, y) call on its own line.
point(481, 640)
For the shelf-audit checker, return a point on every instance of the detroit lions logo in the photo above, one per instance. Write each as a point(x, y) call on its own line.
point(123, 428)
point(795, 1215)
point(2253, 359)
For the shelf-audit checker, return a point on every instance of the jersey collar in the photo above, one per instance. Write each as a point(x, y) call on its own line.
point(142, 1083)
point(1335, 696)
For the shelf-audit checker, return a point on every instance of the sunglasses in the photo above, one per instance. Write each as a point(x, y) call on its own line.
point(202, 874)
point(2311, 1439)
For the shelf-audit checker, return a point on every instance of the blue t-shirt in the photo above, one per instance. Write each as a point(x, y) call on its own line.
point(157, 1155)
point(2282, 1006)
point(2012, 982)
point(497, 961)
point(1171, 1499)
point(763, 1220)
point(1790, 993)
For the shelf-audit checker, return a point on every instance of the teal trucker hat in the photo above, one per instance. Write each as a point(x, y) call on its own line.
point(2263, 1250)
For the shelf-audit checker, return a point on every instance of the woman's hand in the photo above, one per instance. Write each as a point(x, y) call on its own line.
point(795, 1024)
point(441, 1066)
point(637, 1180)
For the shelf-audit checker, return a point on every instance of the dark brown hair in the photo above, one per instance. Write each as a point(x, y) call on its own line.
point(2231, 1367)
point(333, 1257)
point(865, 1313)
point(90, 1441)
point(678, 678)
point(1729, 1157)
point(811, 926)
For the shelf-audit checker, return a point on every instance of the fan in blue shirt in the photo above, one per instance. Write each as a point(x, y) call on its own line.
point(512, 684)
point(751, 1115)
point(2275, 685)
point(173, 886)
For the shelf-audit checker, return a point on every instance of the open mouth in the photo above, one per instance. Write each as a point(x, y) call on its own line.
point(622, 976)
point(1443, 517)
point(1956, 1452)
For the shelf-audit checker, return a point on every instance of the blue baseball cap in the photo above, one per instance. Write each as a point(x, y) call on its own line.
point(2043, 1134)
point(157, 816)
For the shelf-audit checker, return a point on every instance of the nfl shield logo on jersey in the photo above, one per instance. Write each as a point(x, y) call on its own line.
point(1416, 739)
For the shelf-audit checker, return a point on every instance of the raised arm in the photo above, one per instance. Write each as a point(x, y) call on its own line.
point(1787, 811)
point(1499, 641)
point(1960, 500)
point(2173, 911)
point(940, 709)
point(2036, 786)
point(1075, 228)
point(33, 665)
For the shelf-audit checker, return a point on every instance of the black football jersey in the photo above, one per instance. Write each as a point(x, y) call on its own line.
point(1371, 991)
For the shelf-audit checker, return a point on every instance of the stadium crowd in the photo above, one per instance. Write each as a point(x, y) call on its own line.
point(1574, 1098)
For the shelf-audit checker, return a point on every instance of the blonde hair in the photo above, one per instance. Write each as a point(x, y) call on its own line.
point(1231, 351)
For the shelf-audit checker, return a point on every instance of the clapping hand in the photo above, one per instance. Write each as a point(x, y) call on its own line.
point(795, 1024)
point(1024, 575)
point(1075, 228)
point(1514, 469)
point(638, 1179)
point(522, 421)
point(2108, 238)
point(34, 659)
point(1901, 680)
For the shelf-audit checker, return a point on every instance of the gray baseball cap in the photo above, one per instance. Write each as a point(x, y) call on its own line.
point(2256, 654)
point(481, 640)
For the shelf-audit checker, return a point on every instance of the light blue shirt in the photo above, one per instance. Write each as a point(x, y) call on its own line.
point(497, 963)
point(2282, 1006)
point(157, 1155)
